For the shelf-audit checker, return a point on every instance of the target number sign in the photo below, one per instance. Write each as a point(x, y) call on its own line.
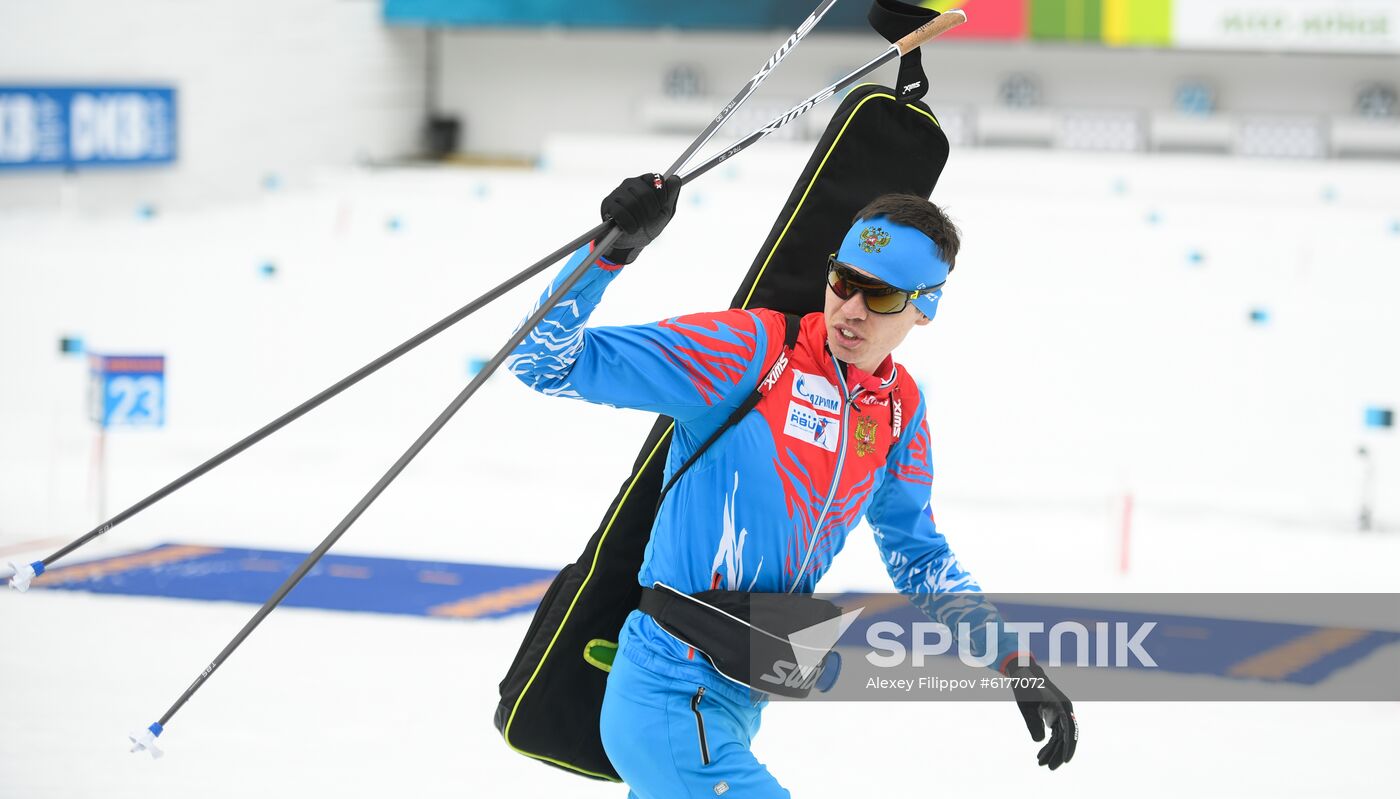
point(127, 390)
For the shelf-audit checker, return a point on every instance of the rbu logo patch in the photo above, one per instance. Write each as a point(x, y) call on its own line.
point(814, 428)
point(816, 390)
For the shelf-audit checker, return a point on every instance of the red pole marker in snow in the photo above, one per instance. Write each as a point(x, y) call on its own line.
point(1125, 533)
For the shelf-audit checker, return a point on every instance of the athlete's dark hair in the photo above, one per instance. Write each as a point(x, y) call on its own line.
point(920, 214)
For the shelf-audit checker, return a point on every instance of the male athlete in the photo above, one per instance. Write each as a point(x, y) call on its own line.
point(840, 435)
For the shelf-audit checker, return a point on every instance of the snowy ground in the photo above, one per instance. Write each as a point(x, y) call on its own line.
point(1081, 353)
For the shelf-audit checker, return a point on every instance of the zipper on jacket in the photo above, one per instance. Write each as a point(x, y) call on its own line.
point(835, 480)
point(700, 725)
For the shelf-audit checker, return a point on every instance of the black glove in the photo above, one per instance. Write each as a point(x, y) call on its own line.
point(1043, 704)
point(641, 207)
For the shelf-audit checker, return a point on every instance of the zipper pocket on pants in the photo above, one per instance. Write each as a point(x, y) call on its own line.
point(700, 725)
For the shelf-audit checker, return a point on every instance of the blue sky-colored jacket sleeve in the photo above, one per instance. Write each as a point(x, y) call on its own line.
point(916, 555)
point(681, 367)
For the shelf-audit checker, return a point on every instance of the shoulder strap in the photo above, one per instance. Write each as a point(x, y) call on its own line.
point(793, 325)
point(896, 413)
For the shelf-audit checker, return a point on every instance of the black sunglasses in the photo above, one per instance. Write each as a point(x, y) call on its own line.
point(881, 298)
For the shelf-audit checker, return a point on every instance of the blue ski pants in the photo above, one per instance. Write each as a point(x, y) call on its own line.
point(674, 735)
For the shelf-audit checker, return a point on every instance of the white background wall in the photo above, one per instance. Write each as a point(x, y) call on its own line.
point(264, 87)
point(283, 86)
point(594, 81)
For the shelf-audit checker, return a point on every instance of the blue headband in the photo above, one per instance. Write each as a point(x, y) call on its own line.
point(896, 254)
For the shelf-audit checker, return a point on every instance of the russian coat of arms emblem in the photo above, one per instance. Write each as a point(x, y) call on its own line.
point(865, 435)
point(874, 239)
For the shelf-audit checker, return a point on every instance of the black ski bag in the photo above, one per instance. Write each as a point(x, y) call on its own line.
point(551, 698)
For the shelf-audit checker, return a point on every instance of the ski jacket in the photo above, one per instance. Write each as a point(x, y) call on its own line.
point(771, 502)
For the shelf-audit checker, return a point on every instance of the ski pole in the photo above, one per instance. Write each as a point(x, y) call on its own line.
point(23, 574)
point(146, 738)
point(938, 25)
point(750, 87)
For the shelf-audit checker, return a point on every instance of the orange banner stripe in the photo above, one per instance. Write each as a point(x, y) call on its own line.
point(348, 570)
point(29, 546)
point(435, 577)
point(494, 601)
point(1283, 660)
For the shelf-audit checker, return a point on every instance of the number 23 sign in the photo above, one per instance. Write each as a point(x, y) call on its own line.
point(127, 390)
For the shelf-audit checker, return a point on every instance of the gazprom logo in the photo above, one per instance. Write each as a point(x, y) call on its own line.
point(816, 390)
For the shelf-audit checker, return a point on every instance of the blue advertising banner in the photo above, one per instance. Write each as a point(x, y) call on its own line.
point(63, 127)
point(338, 582)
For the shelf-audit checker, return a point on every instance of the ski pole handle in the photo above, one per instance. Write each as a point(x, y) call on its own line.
point(933, 28)
point(937, 26)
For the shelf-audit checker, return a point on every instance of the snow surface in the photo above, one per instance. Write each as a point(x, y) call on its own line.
point(1080, 354)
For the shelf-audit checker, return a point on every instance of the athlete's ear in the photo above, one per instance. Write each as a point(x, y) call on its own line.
point(922, 320)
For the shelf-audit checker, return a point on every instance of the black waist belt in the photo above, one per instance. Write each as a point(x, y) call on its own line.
point(748, 636)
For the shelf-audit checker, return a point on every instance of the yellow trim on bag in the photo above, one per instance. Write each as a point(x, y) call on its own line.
point(591, 567)
point(818, 173)
point(664, 438)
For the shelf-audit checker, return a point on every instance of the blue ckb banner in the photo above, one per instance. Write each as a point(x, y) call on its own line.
point(73, 126)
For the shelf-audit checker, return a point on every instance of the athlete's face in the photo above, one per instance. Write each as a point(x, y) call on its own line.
point(861, 338)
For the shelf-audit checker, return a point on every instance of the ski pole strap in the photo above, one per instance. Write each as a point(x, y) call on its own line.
point(793, 327)
point(894, 20)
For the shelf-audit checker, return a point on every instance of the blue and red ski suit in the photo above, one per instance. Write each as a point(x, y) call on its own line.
point(764, 509)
